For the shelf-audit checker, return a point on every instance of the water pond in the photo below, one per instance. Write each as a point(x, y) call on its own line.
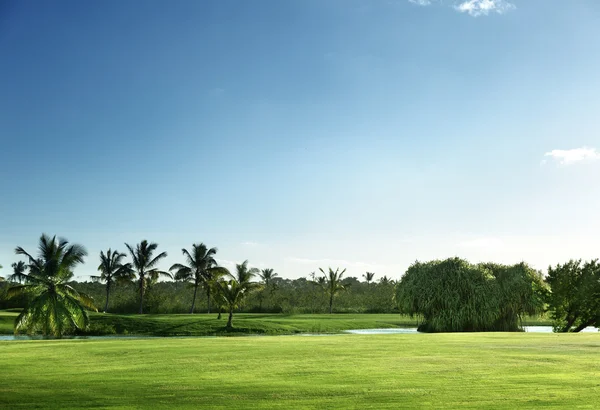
point(388, 331)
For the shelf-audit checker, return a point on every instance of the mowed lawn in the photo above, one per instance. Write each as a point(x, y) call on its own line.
point(487, 370)
point(244, 323)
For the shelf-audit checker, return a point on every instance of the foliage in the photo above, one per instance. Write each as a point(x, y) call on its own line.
point(267, 277)
point(144, 263)
point(332, 284)
point(454, 295)
point(18, 275)
point(574, 297)
point(201, 270)
point(231, 293)
point(112, 271)
point(369, 276)
point(55, 308)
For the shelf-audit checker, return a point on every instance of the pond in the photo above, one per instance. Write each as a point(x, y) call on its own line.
point(388, 331)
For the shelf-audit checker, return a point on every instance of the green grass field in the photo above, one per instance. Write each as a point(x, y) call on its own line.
point(485, 370)
point(208, 325)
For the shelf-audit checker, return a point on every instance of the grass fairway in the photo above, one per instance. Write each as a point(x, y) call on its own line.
point(486, 370)
point(244, 323)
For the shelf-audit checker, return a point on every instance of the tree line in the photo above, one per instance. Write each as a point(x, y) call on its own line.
point(449, 295)
point(52, 302)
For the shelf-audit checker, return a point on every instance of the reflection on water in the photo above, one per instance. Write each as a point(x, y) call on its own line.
point(405, 330)
point(548, 329)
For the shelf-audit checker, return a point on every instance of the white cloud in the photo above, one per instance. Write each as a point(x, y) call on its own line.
point(421, 2)
point(572, 156)
point(478, 8)
point(250, 243)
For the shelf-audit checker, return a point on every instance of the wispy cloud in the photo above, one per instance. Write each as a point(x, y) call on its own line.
point(573, 156)
point(250, 243)
point(478, 8)
point(420, 2)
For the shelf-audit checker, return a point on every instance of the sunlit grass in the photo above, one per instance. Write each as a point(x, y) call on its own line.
point(207, 325)
point(486, 370)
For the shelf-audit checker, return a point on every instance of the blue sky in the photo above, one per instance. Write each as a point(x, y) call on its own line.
point(304, 133)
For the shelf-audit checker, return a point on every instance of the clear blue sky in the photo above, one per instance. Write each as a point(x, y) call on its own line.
point(303, 133)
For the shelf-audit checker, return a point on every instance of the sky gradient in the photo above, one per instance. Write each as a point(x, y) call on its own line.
point(300, 134)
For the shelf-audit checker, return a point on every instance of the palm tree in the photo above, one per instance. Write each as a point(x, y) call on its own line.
point(201, 269)
point(384, 280)
point(369, 277)
point(55, 306)
point(18, 272)
point(267, 276)
point(145, 266)
point(333, 284)
point(230, 296)
point(244, 275)
point(113, 270)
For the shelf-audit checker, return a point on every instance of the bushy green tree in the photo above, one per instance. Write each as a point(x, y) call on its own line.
point(455, 296)
point(574, 297)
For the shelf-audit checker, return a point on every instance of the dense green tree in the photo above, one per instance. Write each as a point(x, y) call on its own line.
point(332, 283)
point(454, 295)
point(54, 307)
point(144, 263)
point(574, 297)
point(201, 270)
point(113, 270)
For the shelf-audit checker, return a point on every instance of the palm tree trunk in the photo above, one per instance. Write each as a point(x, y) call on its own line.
point(208, 298)
point(194, 299)
point(107, 295)
point(331, 303)
point(141, 295)
point(229, 325)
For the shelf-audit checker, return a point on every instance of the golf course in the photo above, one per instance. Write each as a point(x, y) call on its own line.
point(473, 370)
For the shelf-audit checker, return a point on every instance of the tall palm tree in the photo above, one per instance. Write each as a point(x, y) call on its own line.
point(333, 284)
point(112, 270)
point(55, 306)
point(201, 270)
point(18, 272)
point(369, 277)
point(230, 295)
point(267, 276)
point(244, 275)
point(145, 265)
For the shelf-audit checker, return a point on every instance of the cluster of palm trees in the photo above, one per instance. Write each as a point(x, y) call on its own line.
point(54, 306)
